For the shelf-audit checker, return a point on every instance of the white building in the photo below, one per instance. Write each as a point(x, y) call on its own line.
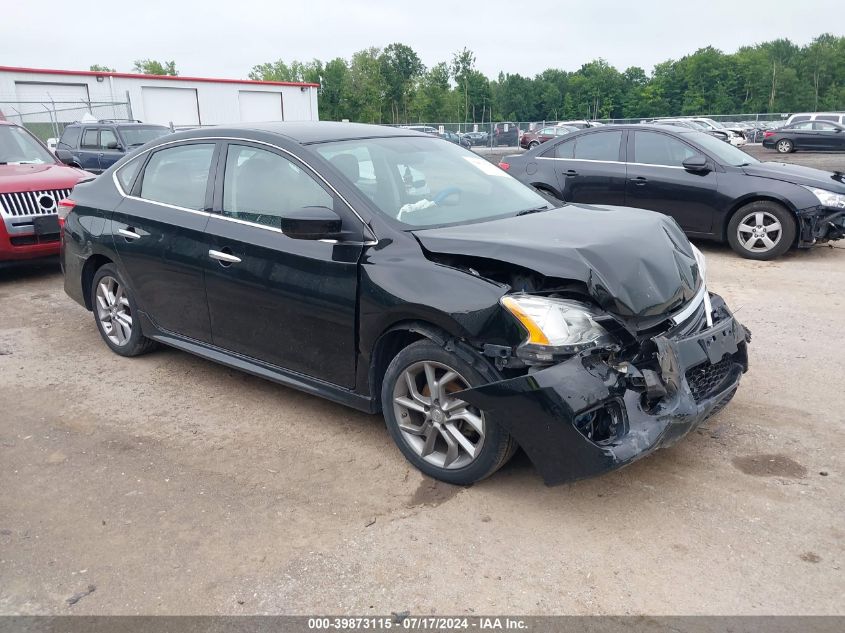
point(60, 96)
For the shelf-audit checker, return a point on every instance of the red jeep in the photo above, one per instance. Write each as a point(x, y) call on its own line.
point(32, 181)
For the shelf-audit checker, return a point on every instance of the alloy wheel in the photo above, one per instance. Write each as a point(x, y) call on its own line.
point(759, 232)
point(113, 310)
point(784, 146)
point(443, 430)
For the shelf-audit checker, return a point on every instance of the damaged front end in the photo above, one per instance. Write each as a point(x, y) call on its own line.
point(623, 349)
point(607, 406)
point(820, 225)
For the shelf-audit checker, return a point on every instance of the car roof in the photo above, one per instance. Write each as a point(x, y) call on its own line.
point(118, 123)
point(306, 132)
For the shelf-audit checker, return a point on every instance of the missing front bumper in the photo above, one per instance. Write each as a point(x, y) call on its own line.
point(545, 410)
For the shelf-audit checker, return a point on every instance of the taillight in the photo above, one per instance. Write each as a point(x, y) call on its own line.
point(64, 207)
point(767, 134)
point(505, 166)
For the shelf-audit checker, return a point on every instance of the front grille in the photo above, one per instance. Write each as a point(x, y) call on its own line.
point(29, 240)
point(29, 203)
point(705, 380)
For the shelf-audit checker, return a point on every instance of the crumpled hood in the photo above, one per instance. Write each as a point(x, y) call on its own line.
point(798, 174)
point(635, 263)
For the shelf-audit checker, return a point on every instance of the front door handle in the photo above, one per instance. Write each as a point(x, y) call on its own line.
point(224, 258)
point(569, 173)
point(639, 180)
point(129, 233)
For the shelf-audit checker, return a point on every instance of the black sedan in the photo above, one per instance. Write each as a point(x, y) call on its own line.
point(806, 135)
point(712, 189)
point(390, 271)
point(477, 138)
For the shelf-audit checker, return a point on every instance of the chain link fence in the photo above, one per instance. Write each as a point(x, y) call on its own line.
point(47, 119)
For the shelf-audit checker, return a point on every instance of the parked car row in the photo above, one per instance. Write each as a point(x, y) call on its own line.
point(712, 189)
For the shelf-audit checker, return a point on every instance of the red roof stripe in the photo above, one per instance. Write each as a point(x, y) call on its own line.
point(92, 73)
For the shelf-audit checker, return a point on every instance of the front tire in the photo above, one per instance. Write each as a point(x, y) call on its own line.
point(532, 145)
point(784, 146)
point(441, 435)
point(115, 313)
point(761, 230)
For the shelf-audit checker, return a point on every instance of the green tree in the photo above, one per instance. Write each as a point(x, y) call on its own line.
point(463, 63)
point(98, 68)
point(153, 67)
point(366, 86)
point(433, 101)
point(296, 71)
point(400, 68)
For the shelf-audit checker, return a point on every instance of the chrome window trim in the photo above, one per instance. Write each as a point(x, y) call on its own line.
point(199, 140)
point(613, 162)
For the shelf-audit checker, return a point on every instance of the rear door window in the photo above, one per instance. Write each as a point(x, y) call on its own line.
point(178, 175)
point(599, 146)
point(90, 139)
point(801, 118)
point(565, 150)
point(108, 137)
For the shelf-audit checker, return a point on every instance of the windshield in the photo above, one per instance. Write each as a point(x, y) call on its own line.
point(725, 153)
point(19, 147)
point(424, 182)
point(139, 135)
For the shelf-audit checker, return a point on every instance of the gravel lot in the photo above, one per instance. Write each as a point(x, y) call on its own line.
point(172, 485)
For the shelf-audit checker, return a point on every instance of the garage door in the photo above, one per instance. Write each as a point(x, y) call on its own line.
point(51, 93)
point(260, 106)
point(170, 105)
point(46, 92)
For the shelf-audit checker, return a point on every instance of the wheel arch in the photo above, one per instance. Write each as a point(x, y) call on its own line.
point(392, 341)
point(89, 269)
point(544, 186)
point(760, 197)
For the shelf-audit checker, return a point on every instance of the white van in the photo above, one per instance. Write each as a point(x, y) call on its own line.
point(836, 117)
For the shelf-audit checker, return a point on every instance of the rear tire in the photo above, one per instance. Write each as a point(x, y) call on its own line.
point(761, 230)
point(442, 436)
point(785, 146)
point(115, 313)
point(533, 144)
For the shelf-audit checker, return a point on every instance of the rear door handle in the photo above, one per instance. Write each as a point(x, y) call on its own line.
point(224, 258)
point(570, 172)
point(639, 180)
point(129, 233)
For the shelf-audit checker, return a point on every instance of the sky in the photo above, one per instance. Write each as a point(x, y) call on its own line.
point(226, 39)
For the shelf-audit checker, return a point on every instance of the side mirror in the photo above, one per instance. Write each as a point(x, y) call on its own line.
point(312, 223)
point(64, 156)
point(113, 145)
point(696, 163)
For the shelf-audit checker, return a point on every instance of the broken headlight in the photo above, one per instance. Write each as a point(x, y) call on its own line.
point(556, 327)
point(827, 198)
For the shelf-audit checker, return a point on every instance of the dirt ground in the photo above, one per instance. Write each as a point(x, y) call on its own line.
point(170, 485)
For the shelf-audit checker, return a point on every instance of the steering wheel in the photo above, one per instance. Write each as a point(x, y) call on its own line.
point(440, 197)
